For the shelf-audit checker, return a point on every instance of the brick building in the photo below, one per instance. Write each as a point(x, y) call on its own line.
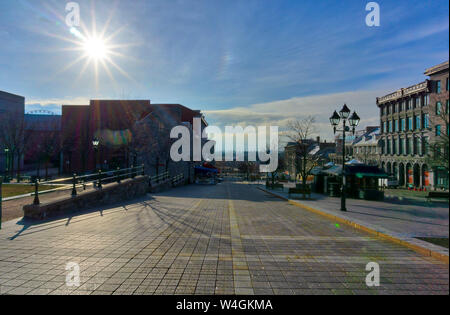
point(112, 123)
point(12, 108)
point(409, 119)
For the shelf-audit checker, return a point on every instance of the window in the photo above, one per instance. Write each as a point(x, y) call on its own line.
point(396, 125)
point(446, 108)
point(401, 145)
point(447, 85)
point(418, 103)
point(388, 149)
point(426, 121)
point(410, 104)
point(410, 123)
point(438, 130)
point(426, 100)
point(438, 108)
point(403, 124)
point(390, 125)
point(416, 145)
point(387, 109)
point(403, 105)
point(438, 86)
point(425, 144)
point(418, 122)
point(411, 145)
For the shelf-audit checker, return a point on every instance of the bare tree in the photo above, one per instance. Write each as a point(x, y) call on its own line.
point(12, 135)
point(151, 142)
point(300, 132)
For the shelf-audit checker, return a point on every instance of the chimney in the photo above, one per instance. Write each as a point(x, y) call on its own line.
point(318, 139)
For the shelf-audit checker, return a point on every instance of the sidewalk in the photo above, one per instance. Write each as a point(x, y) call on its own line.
point(404, 220)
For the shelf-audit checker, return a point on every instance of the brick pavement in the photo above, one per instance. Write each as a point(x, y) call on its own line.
point(224, 239)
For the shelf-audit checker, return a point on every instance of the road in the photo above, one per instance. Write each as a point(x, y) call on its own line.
point(226, 239)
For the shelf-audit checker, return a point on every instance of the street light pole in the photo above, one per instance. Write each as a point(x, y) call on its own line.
point(344, 188)
point(95, 143)
point(353, 120)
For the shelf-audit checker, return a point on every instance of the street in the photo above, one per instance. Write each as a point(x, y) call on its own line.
point(226, 239)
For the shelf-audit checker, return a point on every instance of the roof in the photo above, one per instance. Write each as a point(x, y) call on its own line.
point(438, 68)
point(369, 138)
point(358, 170)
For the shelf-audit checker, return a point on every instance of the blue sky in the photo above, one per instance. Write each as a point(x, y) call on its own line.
point(241, 62)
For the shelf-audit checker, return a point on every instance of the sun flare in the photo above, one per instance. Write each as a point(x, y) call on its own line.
point(95, 48)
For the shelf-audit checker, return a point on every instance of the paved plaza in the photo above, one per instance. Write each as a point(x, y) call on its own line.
point(401, 218)
point(231, 238)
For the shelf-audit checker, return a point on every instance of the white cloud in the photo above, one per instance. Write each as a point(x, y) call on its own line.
point(320, 106)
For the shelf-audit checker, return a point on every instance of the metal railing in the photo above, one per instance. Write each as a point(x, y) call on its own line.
point(96, 180)
point(159, 178)
point(176, 179)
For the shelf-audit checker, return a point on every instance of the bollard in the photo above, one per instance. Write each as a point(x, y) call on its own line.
point(1, 183)
point(74, 189)
point(36, 192)
point(99, 179)
point(118, 175)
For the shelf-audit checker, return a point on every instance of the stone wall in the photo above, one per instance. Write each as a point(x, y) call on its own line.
point(111, 193)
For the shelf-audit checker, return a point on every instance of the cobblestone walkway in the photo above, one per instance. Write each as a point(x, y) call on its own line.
point(225, 239)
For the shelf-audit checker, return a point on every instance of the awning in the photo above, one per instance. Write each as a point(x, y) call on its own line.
point(358, 170)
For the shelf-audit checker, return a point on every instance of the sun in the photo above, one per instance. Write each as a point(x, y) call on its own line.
point(98, 49)
point(95, 48)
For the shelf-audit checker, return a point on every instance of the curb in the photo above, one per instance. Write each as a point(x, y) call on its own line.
point(417, 248)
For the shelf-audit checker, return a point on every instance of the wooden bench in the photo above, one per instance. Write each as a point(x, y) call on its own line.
point(437, 195)
point(307, 191)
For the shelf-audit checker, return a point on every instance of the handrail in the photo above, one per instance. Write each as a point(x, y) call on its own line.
point(95, 179)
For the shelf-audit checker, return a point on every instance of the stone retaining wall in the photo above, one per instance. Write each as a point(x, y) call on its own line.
point(111, 193)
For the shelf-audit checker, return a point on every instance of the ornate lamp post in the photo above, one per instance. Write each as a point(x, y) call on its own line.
point(354, 119)
point(95, 143)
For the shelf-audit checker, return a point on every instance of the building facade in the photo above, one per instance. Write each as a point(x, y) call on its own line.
point(407, 118)
point(365, 147)
point(320, 151)
point(122, 127)
point(12, 108)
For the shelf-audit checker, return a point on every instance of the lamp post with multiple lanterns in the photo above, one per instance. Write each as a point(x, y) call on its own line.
point(353, 120)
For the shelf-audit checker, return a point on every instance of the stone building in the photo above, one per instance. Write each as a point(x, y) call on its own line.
point(365, 147)
point(408, 126)
point(320, 152)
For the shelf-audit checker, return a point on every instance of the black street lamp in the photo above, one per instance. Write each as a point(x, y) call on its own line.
point(354, 119)
point(95, 144)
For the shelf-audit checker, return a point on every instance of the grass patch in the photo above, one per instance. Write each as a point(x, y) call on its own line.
point(10, 190)
point(436, 241)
